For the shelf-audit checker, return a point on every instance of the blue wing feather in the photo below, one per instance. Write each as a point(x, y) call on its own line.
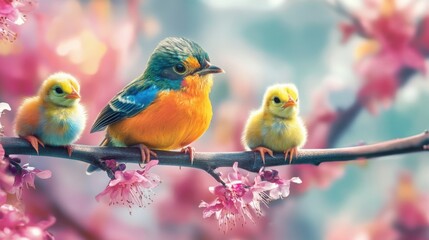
point(127, 103)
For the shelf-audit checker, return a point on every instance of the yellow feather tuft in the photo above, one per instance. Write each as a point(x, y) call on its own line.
point(276, 125)
point(192, 63)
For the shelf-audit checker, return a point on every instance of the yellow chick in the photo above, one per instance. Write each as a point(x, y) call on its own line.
point(54, 117)
point(276, 126)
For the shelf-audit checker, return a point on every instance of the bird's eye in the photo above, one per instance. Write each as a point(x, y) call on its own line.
point(179, 68)
point(58, 90)
point(296, 100)
point(276, 100)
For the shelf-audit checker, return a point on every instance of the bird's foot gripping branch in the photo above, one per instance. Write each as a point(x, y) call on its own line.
point(237, 198)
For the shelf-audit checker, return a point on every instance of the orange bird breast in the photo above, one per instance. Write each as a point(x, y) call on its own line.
point(174, 120)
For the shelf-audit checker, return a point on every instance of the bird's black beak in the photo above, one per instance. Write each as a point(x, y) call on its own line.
point(210, 70)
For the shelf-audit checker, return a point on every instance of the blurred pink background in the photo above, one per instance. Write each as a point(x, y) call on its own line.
point(360, 63)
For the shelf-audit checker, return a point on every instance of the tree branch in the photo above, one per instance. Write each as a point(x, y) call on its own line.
point(347, 116)
point(250, 161)
point(344, 120)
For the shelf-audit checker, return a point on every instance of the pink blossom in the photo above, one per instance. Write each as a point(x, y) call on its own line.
point(231, 206)
point(6, 179)
point(114, 166)
point(132, 187)
point(280, 187)
point(382, 20)
point(391, 33)
point(347, 30)
point(240, 199)
point(13, 177)
point(3, 106)
point(111, 164)
point(380, 82)
point(411, 212)
point(236, 175)
point(12, 12)
point(16, 225)
point(233, 202)
point(25, 178)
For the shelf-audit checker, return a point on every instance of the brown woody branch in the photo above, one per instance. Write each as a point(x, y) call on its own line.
point(209, 161)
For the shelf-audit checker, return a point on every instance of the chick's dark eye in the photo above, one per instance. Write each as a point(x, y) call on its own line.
point(296, 100)
point(276, 100)
point(179, 68)
point(58, 90)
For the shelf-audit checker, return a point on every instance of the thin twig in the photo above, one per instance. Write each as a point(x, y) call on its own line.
point(215, 175)
point(344, 119)
point(347, 116)
point(210, 161)
point(339, 7)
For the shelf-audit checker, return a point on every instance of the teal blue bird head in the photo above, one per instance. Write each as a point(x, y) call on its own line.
point(178, 62)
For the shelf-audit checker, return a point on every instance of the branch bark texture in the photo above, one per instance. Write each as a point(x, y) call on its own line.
point(209, 161)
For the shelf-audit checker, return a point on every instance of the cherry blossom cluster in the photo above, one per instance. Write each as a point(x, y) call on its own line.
point(14, 179)
point(395, 44)
point(14, 224)
point(129, 187)
point(240, 198)
point(13, 12)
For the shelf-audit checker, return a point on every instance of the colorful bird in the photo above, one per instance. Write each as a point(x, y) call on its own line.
point(276, 126)
point(53, 117)
point(165, 108)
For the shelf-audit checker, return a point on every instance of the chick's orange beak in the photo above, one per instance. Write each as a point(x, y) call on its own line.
point(289, 103)
point(73, 95)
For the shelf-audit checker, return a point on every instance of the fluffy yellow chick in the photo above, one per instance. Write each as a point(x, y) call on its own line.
point(276, 126)
point(54, 116)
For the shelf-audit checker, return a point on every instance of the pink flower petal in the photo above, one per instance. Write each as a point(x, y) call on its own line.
point(150, 164)
point(44, 174)
point(2, 152)
point(4, 106)
point(296, 180)
point(218, 190)
point(413, 59)
point(14, 224)
point(347, 30)
point(247, 197)
point(240, 199)
point(25, 179)
point(130, 188)
point(3, 197)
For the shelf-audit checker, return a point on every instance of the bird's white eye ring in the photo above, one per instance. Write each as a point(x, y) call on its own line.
point(276, 100)
point(179, 68)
